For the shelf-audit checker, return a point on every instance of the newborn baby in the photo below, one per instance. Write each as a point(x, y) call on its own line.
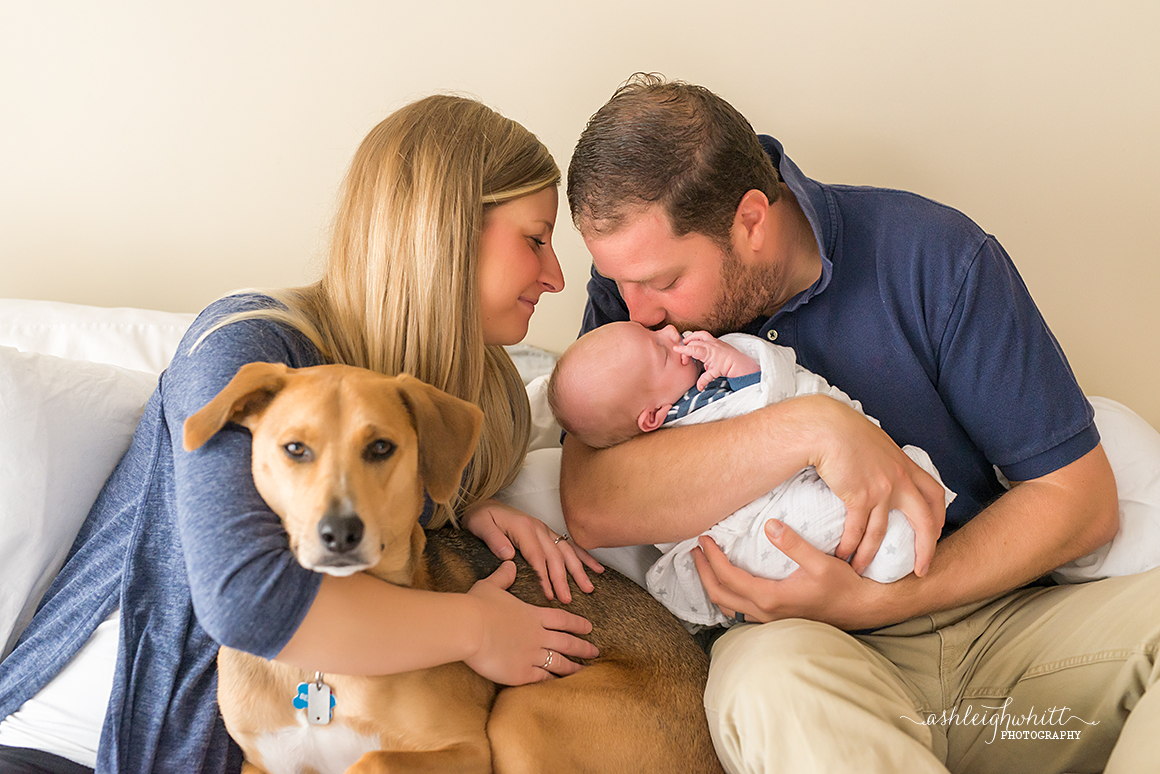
point(622, 379)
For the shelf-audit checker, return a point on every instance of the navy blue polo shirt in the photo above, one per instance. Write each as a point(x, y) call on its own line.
point(922, 317)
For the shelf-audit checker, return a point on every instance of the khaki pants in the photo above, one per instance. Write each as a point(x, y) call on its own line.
point(1039, 680)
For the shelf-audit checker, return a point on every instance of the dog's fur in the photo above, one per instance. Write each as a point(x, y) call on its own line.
point(368, 447)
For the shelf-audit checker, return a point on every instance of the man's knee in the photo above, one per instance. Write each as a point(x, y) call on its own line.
point(803, 696)
point(764, 667)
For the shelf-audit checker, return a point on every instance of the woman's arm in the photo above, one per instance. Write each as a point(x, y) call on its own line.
point(250, 593)
point(359, 625)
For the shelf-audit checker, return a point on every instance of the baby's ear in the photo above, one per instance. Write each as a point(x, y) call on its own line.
point(652, 418)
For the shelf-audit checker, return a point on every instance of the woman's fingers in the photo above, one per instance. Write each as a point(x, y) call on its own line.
point(503, 576)
point(516, 636)
point(554, 557)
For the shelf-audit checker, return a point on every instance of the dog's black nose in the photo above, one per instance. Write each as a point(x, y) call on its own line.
point(340, 534)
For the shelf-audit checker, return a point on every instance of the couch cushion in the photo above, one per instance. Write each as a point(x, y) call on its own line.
point(139, 339)
point(64, 424)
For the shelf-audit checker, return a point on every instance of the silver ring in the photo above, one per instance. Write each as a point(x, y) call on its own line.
point(548, 660)
point(565, 536)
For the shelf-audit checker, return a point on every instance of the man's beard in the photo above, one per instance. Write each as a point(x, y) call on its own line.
point(745, 293)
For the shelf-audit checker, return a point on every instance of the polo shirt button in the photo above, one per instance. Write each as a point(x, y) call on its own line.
point(771, 335)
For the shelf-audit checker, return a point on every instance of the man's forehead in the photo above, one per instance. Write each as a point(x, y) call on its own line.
point(637, 251)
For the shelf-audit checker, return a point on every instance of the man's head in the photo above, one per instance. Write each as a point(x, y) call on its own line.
point(668, 143)
point(617, 381)
point(672, 192)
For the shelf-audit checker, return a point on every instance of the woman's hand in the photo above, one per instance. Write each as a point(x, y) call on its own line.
point(505, 529)
point(522, 643)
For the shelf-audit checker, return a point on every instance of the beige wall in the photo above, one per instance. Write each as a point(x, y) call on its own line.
point(160, 154)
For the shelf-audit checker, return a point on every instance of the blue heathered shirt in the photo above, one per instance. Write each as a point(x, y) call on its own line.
point(922, 317)
point(185, 546)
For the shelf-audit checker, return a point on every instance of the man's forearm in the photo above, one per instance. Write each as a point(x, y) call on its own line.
point(1028, 532)
point(672, 484)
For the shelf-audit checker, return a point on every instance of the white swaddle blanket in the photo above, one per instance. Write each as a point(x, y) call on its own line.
point(804, 502)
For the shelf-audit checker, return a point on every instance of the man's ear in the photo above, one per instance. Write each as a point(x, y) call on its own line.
point(751, 221)
point(448, 430)
point(247, 395)
point(652, 418)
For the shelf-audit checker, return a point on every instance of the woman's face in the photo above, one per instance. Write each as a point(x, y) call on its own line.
point(517, 264)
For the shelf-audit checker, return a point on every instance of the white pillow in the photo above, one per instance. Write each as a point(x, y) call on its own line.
point(1133, 449)
point(545, 429)
point(141, 339)
point(64, 424)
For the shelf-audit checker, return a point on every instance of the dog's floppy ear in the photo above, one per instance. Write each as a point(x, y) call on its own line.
point(448, 429)
point(247, 394)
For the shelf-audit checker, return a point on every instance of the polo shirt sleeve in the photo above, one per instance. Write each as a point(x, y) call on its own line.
point(248, 590)
point(1004, 376)
point(604, 303)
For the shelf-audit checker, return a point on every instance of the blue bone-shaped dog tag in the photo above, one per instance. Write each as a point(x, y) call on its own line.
point(318, 701)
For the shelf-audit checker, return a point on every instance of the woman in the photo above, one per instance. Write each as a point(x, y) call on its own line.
point(440, 250)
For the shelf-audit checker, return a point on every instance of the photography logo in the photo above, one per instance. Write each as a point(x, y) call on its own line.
point(1055, 723)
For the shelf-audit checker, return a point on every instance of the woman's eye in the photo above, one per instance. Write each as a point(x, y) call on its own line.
point(297, 451)
point(539, 242)
point(378, 450)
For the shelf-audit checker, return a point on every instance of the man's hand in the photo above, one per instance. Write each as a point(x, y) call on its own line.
point(872, 476)
point(823, 588)
point(719, 358)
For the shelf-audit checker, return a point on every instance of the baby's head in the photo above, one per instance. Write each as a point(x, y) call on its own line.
point(618, 381)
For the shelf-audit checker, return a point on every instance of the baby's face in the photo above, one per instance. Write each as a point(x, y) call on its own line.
point(654, 366)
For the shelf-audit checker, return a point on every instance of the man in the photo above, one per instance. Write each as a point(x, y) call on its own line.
point(910, 308)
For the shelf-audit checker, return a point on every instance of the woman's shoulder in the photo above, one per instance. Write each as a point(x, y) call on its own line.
point(247, 327)
point(243, 302)
point(229, 333)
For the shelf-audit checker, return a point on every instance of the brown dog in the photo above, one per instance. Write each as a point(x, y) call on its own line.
point(344, 455)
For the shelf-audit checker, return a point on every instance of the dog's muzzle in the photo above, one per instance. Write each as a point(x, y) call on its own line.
point(340, 534)
point(343, 549)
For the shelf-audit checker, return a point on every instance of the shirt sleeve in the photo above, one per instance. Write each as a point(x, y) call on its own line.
point(248, 590)
point(1005, 377)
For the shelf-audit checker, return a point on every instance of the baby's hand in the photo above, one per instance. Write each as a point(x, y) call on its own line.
point(719, 358)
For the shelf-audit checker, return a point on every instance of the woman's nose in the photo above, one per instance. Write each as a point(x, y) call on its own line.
point(551, 275)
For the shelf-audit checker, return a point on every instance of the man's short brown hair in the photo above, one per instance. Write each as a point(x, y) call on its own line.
point(667, 142)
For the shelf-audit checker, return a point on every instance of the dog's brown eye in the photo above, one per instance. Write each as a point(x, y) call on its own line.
point(297, 451)
point(379, 450)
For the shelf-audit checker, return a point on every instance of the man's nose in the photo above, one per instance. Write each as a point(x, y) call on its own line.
point(641, 309)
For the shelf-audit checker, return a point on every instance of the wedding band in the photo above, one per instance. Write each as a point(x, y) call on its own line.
point(548, 660)
point(565, 536)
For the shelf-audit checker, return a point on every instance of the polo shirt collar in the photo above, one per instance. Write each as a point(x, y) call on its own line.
point(818, 208)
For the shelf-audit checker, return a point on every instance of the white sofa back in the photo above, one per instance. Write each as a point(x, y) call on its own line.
point(140, 339)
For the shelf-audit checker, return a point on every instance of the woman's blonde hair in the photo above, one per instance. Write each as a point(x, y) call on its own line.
point(400, 292)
